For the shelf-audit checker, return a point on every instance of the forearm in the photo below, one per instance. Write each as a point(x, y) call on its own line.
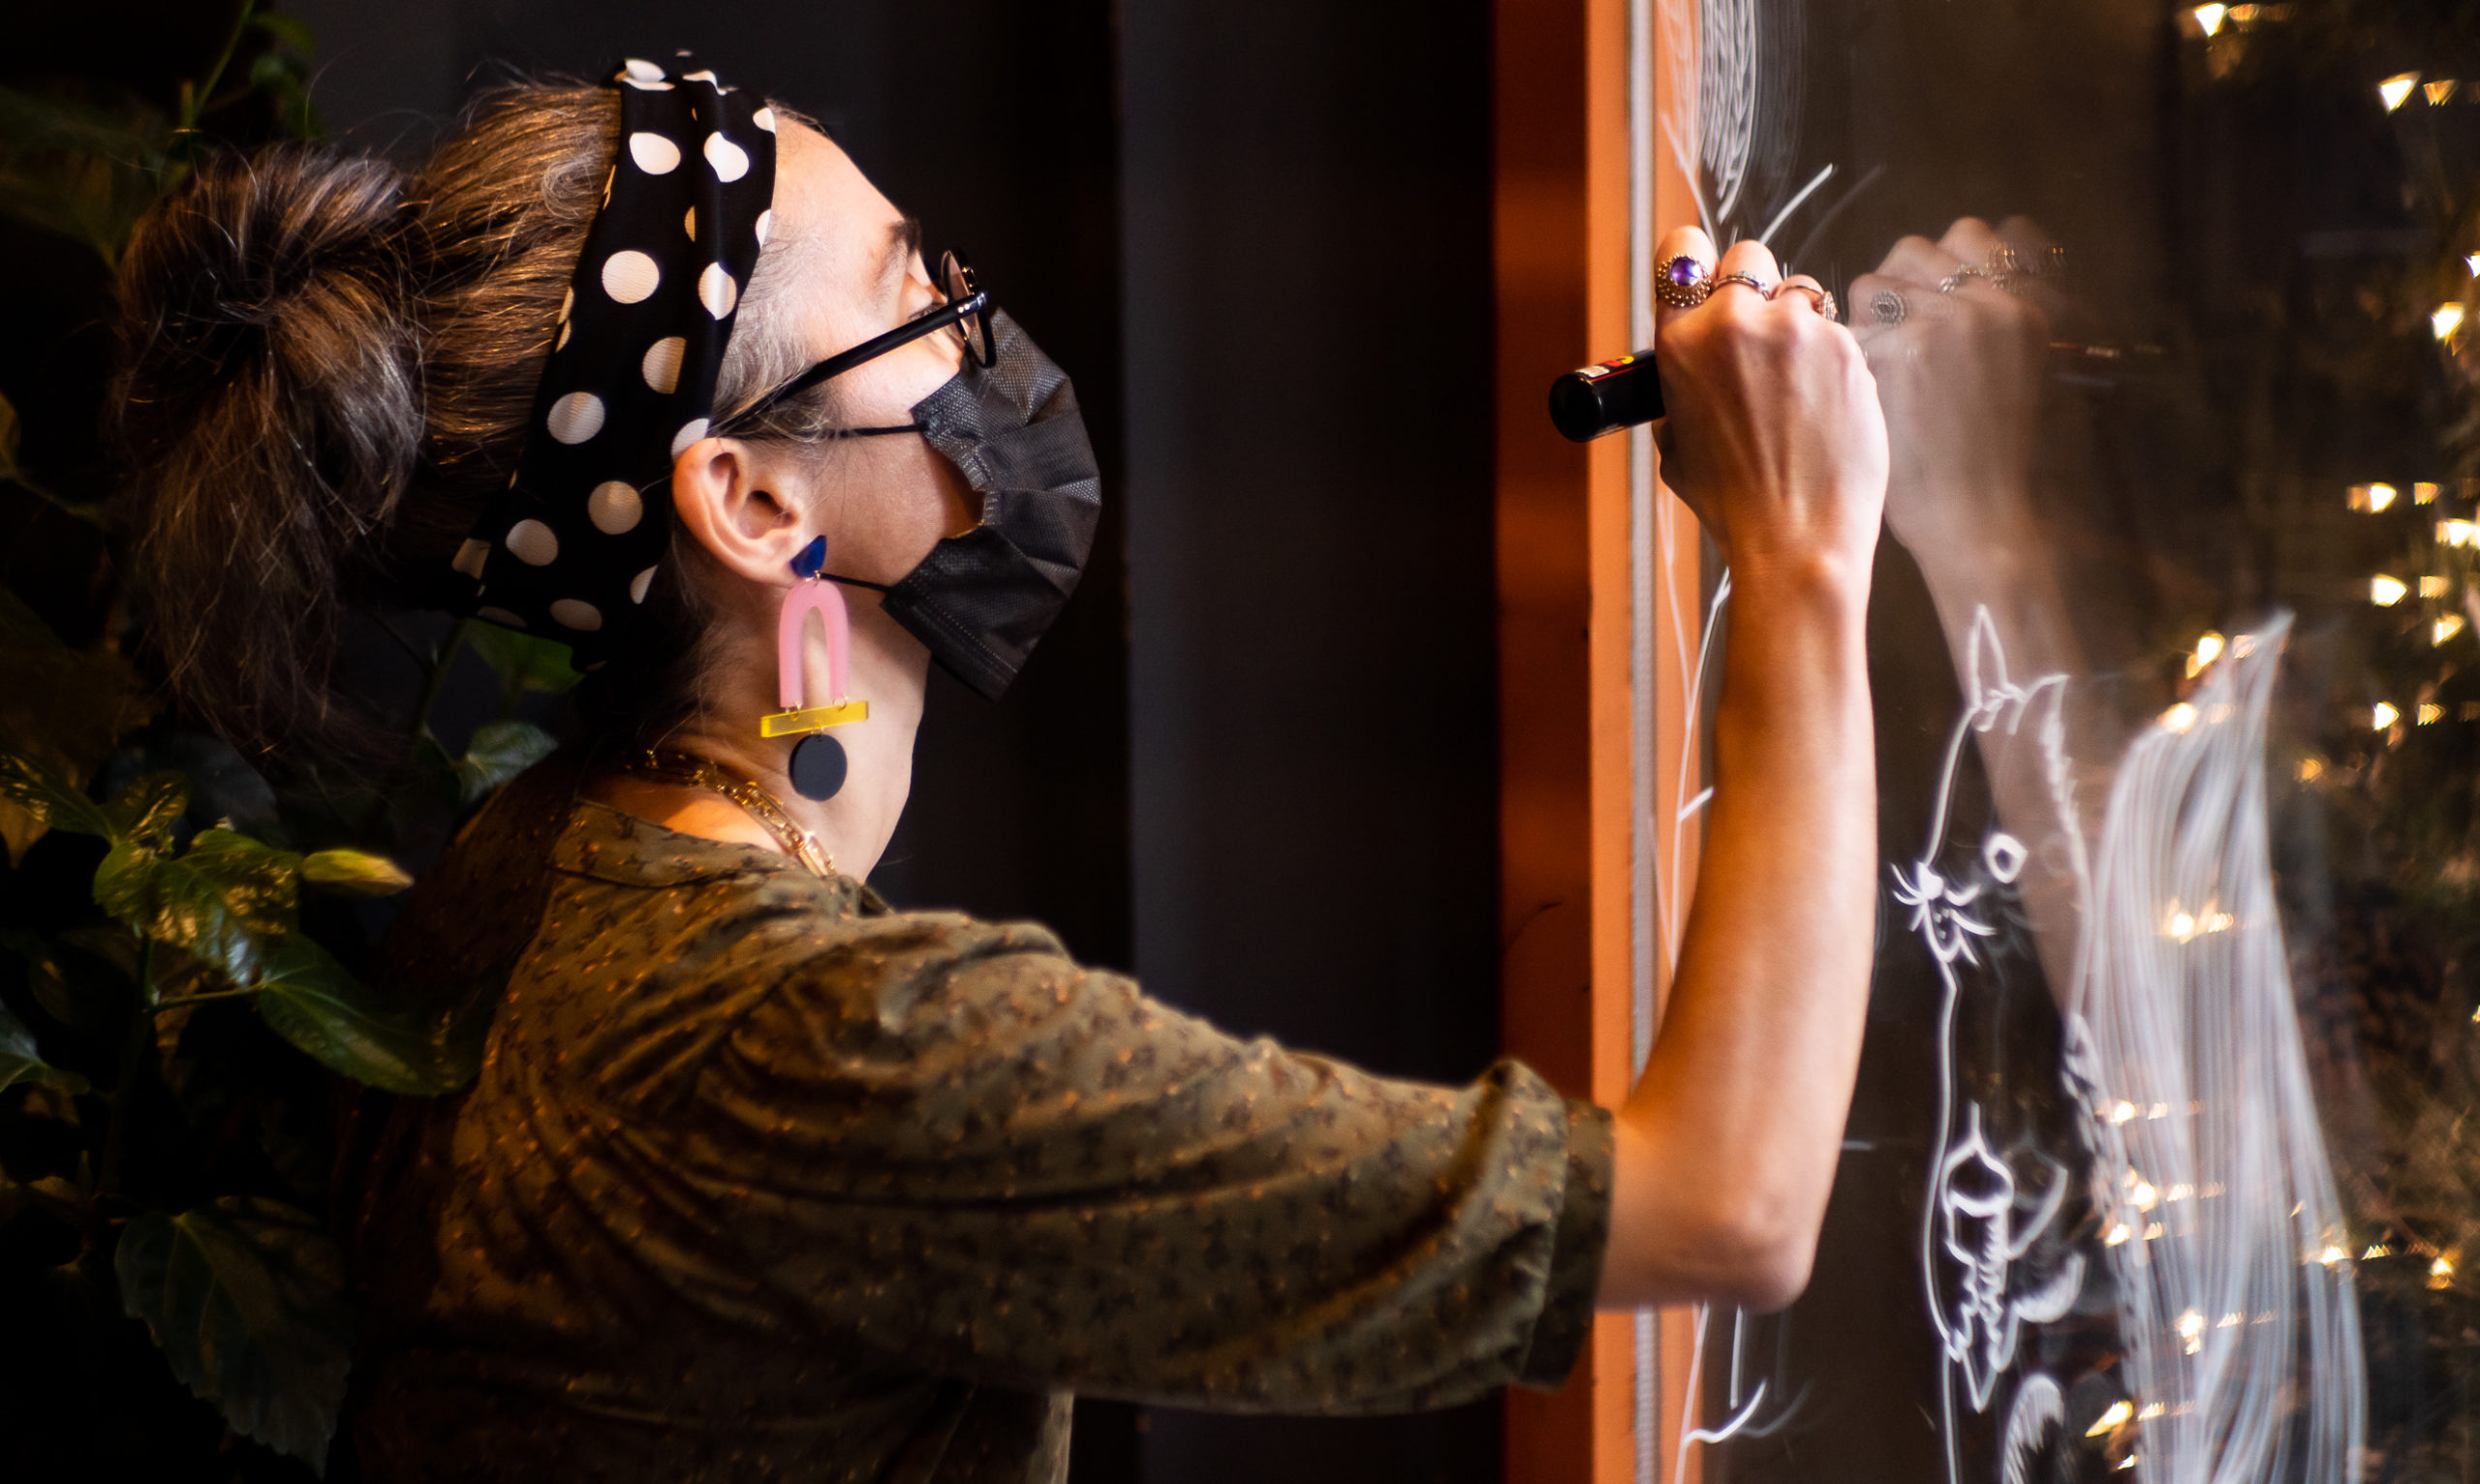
point(1728, 1144)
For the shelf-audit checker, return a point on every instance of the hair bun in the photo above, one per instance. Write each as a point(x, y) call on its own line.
point(270, 403)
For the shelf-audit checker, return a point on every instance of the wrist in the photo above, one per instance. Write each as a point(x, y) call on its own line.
point(1818, 584)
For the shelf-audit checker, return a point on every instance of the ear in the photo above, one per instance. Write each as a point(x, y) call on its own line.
point(717, 494)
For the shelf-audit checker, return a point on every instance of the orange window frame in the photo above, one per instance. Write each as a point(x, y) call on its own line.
point(1599, 586)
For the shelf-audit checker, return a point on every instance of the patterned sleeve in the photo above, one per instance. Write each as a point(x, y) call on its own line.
point(949, 1143)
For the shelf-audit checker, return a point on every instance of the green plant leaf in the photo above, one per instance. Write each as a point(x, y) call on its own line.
point(522, 662)
point(354, 873)
point(314, 1001)
point(288, 30)
point(44, 977)
point(21, 1062)
point(50, 798)
point(226, 901)
point(498, 752)
point(246, 1299)
point(145, 813)
point(62, 710)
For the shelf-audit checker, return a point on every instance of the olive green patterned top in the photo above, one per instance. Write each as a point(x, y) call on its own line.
point(763, 1180)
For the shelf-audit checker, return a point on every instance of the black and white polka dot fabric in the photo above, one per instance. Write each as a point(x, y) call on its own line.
point(571, 551)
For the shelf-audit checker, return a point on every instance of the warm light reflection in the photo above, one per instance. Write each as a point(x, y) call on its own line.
point(2151, 1409)
point(2424, 492)
point(2118, 1234)
point(2180, 717)
point(2376, 1249)
point(2191, 1329)
point(2447, 318)
point(2432, 587)
point(2385, 716)
point(2441, 1272)
point(2429, 713)
point(2384, 591)
point(2458, 533)
point(2210, 16)
point(2121, 1112)
point(2370, 497)
point(2446, 628)
point(2119, 1411)
point(2393, 89)
point(2471, 261)
point(2310, 769)
point(2208, 650)
point(2332, 1256)
point(2439, 91)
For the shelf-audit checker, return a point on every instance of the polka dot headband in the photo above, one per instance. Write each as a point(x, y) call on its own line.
point(570, 550)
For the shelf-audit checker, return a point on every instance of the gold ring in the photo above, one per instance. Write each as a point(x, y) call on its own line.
point(1682, 283)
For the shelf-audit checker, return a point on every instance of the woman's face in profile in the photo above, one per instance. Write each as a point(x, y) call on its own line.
point(859, 272)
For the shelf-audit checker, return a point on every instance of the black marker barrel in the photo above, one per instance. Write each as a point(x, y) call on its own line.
point(1593, 400)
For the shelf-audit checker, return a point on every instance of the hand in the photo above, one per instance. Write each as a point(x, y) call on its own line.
point(1774, 437)
point(1959, 363)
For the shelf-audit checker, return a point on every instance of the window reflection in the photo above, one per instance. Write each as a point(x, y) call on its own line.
point(2167, 1160)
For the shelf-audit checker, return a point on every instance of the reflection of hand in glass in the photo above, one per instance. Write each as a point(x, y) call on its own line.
point(1958, 347)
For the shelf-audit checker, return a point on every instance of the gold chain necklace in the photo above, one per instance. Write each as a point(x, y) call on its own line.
point(696, 772)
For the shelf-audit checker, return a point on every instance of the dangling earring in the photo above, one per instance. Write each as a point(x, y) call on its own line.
point(818, 766)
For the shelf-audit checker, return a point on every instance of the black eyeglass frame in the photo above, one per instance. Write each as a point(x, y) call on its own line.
point(981, 345)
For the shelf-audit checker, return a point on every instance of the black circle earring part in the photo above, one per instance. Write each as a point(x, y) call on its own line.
point(817, 768)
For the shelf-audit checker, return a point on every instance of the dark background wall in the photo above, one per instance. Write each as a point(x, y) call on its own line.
point(1256, 760)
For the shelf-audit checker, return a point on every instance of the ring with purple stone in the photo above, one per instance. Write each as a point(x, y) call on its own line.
point(1681, 283)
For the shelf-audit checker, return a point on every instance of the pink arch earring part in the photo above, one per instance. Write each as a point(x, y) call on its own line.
point(827, 601)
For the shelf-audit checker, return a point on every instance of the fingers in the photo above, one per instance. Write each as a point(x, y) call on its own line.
point(1970, 241)
point(1753, 258)
point(1679, 242)
point(1919, 263)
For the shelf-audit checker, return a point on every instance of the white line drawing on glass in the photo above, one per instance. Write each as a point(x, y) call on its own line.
point(2034, 1424)
point(2222, 1225)
point(1975, 1231)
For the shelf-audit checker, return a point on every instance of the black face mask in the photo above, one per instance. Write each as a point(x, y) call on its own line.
point(981, 601)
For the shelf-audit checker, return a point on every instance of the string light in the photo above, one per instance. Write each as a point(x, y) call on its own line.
point(2446, 628)
point(2384, 591)
point(2423, 494)
point(2447, 318)
point(2432, 587)
point(2471, 261)
point(2441, 1272)
point(2430, 711)
point(2179, 718)
point(2372, 497)
point(2209, 17)
point(2393, 90)
point(2438, 92)
point(2458, 533)
point(2386, 716)
point(2119, 1411)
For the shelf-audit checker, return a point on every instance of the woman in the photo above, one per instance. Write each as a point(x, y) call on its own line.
point(762, 1178)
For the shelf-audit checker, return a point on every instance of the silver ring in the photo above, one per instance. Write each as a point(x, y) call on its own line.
point(1957, 279)
point(1763, 289)
point(1886, 307)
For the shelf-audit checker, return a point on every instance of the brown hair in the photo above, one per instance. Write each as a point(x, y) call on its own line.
point(326, 367)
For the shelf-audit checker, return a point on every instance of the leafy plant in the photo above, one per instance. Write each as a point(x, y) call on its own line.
point(184, 945)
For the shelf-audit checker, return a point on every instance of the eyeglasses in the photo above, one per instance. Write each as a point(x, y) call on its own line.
point(966, 313)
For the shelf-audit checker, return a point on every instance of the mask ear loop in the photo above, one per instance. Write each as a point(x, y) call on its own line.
point(818, 766)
